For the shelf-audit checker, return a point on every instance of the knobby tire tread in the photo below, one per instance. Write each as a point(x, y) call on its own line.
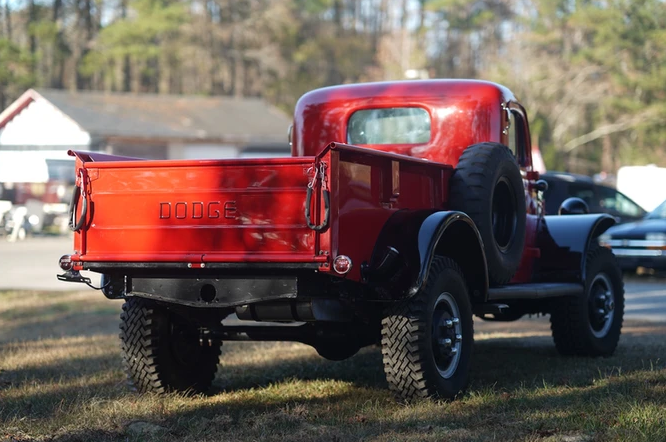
point(146, 370)
point(569, 321)
point(403, 334)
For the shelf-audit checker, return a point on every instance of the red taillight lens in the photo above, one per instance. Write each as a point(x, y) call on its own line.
point(66, 262)
point(342, 264)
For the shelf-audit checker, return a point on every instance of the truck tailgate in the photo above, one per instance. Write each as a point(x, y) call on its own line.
point(234, 210)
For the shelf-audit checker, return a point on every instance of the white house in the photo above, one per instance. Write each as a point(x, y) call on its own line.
point(38, 129)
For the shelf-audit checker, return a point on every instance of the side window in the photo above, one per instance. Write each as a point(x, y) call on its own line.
point(517, 143)
point(612, 200)
point(627, 207)
point(607, 200)
point(512, 133)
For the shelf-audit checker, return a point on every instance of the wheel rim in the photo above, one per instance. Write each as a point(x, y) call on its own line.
point(602, 305)
point(503, 214)
point(446, 335)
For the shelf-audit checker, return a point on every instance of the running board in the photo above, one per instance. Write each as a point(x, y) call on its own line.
point(539, 290)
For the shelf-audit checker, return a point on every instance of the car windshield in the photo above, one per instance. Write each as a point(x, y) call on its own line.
point(659, 212)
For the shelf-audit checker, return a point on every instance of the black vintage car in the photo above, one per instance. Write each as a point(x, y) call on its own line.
point(641, 243)
point(599, 198)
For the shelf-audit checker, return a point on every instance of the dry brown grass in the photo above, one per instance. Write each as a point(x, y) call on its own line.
point(60, 380)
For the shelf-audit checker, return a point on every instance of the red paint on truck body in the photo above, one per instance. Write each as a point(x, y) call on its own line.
point(252, 210)
point(462, 113)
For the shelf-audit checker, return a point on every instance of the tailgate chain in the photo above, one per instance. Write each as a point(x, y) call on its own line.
point(78, 191)
point(325, 194)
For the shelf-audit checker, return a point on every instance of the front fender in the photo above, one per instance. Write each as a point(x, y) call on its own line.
point(564, 241)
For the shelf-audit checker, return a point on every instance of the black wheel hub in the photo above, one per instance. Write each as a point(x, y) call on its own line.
point(601, 304)
point(446, 335)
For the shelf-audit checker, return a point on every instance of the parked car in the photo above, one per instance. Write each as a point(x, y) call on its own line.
point(599, 198)
point(641, 243)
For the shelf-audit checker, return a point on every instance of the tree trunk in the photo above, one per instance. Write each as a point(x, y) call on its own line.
point(82, 82)
point(57, 62)
point(354, 23)
point(337, 16)
point(126, 68)
point(32, 19)
point(135, 84)
point(8, 21)
point(164, 72)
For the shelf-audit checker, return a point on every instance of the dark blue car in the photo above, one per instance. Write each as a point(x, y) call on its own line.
point(641, 243)
point(598, 197)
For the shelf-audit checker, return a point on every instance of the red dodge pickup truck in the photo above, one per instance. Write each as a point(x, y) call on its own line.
point(406, 209)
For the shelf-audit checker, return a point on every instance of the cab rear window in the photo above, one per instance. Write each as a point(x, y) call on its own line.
point(395, 125)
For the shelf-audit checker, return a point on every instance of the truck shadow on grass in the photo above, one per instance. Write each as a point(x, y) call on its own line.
point(298, 362)
point(506, 356)
point(521, 388)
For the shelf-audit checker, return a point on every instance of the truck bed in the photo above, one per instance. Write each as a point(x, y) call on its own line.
point(212, 212)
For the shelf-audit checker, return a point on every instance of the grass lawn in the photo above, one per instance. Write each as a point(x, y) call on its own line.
point(61, 380)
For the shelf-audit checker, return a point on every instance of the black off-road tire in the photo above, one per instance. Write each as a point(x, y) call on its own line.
point(577, 324)
point(412, 328)
point(487, 185)
point(161, 351)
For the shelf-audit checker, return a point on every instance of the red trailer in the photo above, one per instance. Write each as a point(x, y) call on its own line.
point(406, 209)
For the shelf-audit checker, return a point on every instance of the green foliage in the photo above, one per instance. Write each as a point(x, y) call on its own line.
point(591, 73)
point(313, 6)
point(44, 30)
point(142, 37)
point(15, 68)
point(463, 15)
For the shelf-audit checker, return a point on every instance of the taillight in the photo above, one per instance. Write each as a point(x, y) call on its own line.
point(342, 264)
point(66, 262)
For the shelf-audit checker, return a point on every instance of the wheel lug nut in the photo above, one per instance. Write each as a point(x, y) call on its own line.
point(454, 351)
point(445, 342)
point(455, 320)
point(458, 338)
point(448, 323)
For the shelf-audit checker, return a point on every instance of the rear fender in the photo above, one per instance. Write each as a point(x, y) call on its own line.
point(564, 241)
point(408, 244)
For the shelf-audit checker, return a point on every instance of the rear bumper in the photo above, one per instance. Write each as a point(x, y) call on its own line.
point(302, 296)
point(212, 292)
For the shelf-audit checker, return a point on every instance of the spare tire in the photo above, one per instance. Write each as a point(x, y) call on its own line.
point(487, 186)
